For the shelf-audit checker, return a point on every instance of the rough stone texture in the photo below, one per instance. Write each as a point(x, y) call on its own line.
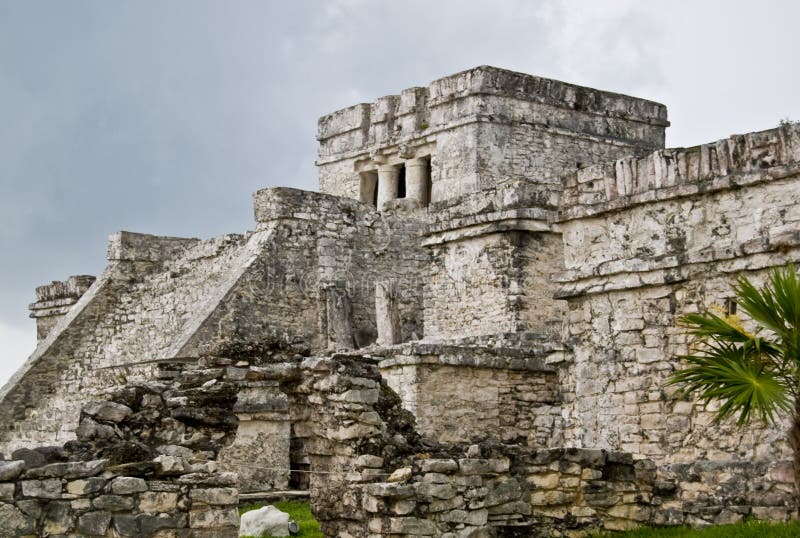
point(501, 258)
point(501, 394)
point(129, 492)
point(378, 475)
point(266, 520)
point(54, 300)
point(483, 125)
point(691, 221)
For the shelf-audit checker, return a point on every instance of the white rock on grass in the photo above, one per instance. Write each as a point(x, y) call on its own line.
point(267, 519)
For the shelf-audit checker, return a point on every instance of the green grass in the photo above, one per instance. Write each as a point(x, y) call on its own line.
point(750, 529)
point(309, 528)
point(299, 511)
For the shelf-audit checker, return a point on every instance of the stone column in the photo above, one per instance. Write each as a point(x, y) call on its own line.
point(388, 178)
point(387, 313)
point(417, 178)
point(339, 311)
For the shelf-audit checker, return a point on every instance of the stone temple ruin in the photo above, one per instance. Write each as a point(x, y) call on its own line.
point(465, 333)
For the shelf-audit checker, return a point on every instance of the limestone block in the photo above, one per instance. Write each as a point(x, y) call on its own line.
point(150, 525)
point(10, 470)
point(368, 460)
point(213, 518)
point(400, 475)
point(412, 525)
point(85, 486)
point(403, 507)
point(124, 485)
point(94, 523)
point(13, 522)
point(158, 501)
point(45, 489)
point(436, 491)
point(437, 466)
point(218, 496)
point(546, 481)
point(471, 466)
point(107, 411)
point(113, 503)
point(126, 525)
point(632, 511)
point(57, 518)
point(514, 508)
point(170, 465)
point(372, 504)
point(266, 520)
point(68, 470)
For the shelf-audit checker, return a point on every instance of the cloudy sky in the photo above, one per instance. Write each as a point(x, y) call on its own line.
point(163, 117)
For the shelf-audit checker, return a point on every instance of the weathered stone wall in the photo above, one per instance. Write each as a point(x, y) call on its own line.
point(624, 347)
point(354, 247)
point(645, 242)
point(475, 393)
point(373, 475)
point(143, 464)
point(92, 499)
point(485, 125)
point(141, 305)
point(492, 254)
point(494, 283)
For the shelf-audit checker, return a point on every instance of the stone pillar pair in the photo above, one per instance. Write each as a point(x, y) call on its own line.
point(339, 314)
point(417, 178)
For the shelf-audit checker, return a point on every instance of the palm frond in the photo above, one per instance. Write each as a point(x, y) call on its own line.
point(711, 326)
point(743, 381)
point(775, 306)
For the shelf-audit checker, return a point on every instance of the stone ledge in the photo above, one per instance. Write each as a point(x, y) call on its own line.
point(131, 246)
point(672, 275)
point(501, 221)
point(732, 163)
point(493, 81)
point(532, 359)
point(777, 244)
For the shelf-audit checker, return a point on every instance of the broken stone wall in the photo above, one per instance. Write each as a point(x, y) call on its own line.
point(143, 464)
point(164, 298)
point(80, 499)
point(373, 474)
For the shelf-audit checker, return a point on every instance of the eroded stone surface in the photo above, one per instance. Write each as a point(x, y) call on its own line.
point(484, 295)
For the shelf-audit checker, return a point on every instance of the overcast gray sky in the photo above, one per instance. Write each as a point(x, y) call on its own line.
point(163, 117)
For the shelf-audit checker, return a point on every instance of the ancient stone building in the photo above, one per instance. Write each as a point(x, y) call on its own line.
point(508, 254)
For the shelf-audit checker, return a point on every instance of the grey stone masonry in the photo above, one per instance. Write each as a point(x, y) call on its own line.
point(55, 299)
point(467, 332)
point(143, 466)
point(482, 126)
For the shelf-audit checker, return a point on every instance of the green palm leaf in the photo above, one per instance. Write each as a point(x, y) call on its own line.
point(750, 374)
point(742, 381)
